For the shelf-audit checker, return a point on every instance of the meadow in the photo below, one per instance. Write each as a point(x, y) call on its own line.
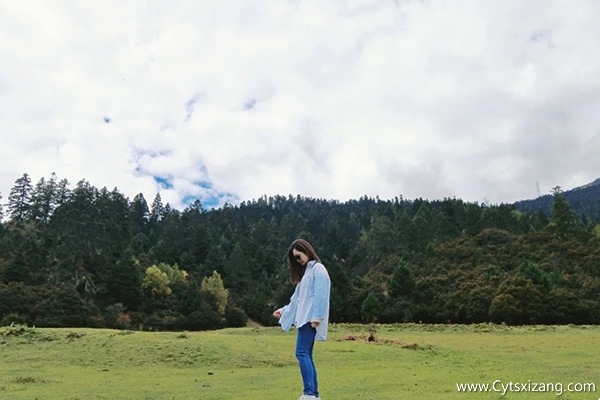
point(404, 361)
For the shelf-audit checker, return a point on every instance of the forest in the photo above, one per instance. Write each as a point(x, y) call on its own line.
point(87, 257)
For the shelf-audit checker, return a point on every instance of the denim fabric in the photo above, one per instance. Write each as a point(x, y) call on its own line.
point(304, 353)
point(310, 301)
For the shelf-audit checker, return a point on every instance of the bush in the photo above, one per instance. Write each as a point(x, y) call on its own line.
point(13, 318)
point(18, 330)
point(64, 308)
point(165, 320)
point(116, 317)
point(235, 317)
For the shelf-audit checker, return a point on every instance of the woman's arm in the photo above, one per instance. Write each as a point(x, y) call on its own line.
point(280, 312)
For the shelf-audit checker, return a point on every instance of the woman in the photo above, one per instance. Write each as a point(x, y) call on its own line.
point(308, 310)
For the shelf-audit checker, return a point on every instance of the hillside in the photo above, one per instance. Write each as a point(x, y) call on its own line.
point(92, 257)
point(584, 200)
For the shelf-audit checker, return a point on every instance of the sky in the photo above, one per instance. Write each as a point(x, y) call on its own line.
point(226, 101)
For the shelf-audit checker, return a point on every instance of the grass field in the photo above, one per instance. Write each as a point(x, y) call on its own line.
point(408, 362)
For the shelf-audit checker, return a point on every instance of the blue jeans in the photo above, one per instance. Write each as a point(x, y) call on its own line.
point(304, 354)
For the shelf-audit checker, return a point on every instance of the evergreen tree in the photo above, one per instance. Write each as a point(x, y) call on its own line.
point(564, 221)
point(538, 221)
point(62, 192)
point(237, 268)
point(17, 301)
point(192, 298)
point(518, 302)
point(44, 199)
point(82, 241)
point(449, 220)
point(17, 269)
point(422, 224)
point(139, 215)
point(157, 210)
point(19, 200)
point(473, 219)
point(402, 283)
point(461, 262)
point(536, 275)
point(370, 308)
point(382, 240)
point(122, 283)
point(215, 261)
point(340, 290)
point(156, 223)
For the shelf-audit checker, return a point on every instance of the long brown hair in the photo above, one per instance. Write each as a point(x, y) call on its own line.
point(297, 270)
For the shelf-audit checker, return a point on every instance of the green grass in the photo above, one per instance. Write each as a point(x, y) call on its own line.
point(259, 363)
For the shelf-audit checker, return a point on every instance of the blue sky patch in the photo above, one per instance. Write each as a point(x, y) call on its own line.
point(164, 183)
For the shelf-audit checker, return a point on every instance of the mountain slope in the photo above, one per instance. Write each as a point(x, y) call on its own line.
point(584, 200)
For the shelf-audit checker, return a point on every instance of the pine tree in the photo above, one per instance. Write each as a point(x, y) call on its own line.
point(80, 241)
point(157, 210)
point(370, 308)
point(191, 299)
point(139, 214)
point(565, 222)
point(19, 200)
point(43, 199)
point(62, 192)
point(123, 283)
point(402, 283)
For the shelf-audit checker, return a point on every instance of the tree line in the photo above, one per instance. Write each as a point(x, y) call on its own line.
point(85, 256)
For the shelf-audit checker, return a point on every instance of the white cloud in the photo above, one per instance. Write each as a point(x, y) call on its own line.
point(231, 100)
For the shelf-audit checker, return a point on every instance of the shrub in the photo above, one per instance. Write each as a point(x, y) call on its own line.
point(18, 330)
point(236, 317)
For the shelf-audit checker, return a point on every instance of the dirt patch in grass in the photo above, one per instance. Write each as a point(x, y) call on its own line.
point(24, 380)
point(75, 335)
point(372, 337)
point(405, 344)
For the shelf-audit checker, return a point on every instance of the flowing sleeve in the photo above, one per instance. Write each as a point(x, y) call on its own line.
point(288, 312)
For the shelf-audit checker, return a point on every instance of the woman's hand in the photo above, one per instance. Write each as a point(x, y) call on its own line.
point(314, 324)
point(277, 313)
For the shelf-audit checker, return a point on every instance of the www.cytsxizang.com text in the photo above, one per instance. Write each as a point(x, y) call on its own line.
point(499, 386)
